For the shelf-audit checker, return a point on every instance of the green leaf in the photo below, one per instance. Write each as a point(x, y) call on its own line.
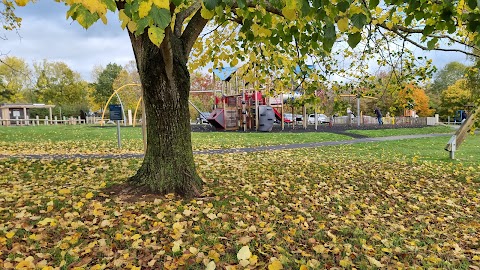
point(408, 20)
point(142, 24)
point(111, 5)
point(305, 8)
point(354, 39)
point(428, 29)
point(329, 36)
point(161, 17)
point(84, 17)
point(177, 2)
point(373, 4)
point(242, 3)
point(359, 20)
point(211, 4)
point(329, 31)
point(431, 43)
point(343, 6)
point(472, 4)
point(451, 27)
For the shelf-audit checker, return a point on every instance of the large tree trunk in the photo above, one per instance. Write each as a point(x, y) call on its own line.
point(168, 165)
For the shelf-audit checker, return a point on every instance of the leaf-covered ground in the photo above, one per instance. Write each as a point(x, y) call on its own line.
point(360, 206)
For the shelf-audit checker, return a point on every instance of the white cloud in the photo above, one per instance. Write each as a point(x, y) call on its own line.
point(46, 34)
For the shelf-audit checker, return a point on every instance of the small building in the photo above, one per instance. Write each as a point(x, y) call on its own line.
point(11, 114)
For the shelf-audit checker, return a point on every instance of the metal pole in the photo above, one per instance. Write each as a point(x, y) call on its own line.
point(118, 135)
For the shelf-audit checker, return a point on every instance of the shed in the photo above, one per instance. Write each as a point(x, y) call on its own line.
point(10, 113)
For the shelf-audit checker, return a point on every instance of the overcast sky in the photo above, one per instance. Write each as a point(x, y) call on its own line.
point(46, 34)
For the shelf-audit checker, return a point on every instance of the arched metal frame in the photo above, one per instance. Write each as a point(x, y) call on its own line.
point(115, 93)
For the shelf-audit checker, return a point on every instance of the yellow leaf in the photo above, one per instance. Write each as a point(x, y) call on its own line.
point(156, 35)
point(275, 265)
point(253, 260)
point(10, 235)
point(319, 249)
point(64, 191)
point(303, 267)
point(89, 195)
point(355, 10)
point(124, 18)
point(132, 26)
point(21, 2)
point(345, 262)
point(374, 262)
point(27, 263)
point(207, 14)
point(211, 266)
point(136, 236)
point(144, 8)
point(193, 250)
point(176, 246)
point(343, 24)
point(290, 14)
point(476, 258)
point(162, 4)
point(244, 253)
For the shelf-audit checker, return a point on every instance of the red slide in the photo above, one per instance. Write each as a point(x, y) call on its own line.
point(278, 115)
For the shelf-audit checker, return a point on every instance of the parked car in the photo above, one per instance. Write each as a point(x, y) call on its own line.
point(321, 118)
point(202, 118)
point(287, 118)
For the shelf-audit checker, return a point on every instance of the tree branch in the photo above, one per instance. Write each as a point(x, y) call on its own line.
point(181, 16)
point(192, 31)
point(399, 29)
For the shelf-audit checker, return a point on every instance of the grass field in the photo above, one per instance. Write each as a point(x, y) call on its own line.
point(397, 204)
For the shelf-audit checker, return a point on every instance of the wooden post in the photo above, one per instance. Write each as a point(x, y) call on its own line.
point(50, 114)
point(461, 133)
point(281, 111)
point(24, 116)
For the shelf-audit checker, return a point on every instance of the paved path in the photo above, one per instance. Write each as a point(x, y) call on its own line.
point(232, 150)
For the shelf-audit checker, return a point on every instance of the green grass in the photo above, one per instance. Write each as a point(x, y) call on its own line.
point(417, 150)
point(59, 133)
point(215, 140)
point(403, 131)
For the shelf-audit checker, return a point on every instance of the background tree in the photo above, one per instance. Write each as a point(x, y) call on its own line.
point(104, 84)
point(129, 95)
point(455, 97)
point(58, 84)
point(444, 78)
point(15, 81)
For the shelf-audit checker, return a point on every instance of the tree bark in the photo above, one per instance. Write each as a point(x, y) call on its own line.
point(168, 165)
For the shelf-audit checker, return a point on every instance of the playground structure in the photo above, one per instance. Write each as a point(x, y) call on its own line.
point(248, 108)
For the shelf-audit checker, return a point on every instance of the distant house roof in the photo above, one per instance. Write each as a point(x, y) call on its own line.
point(27, 106)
